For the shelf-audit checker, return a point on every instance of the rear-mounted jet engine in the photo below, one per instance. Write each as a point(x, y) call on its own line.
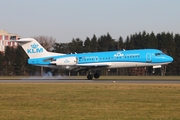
point(65, 61)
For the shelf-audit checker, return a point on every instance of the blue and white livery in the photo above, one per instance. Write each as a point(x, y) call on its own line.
point(93, 61)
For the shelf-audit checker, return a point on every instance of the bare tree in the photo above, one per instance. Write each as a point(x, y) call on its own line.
point(46, 42)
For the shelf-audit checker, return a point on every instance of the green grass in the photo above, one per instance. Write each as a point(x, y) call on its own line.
point(93, 101)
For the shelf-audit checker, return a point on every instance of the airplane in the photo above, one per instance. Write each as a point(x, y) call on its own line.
point(93, 61)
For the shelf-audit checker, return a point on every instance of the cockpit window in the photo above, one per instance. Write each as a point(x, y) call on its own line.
point(158, 54)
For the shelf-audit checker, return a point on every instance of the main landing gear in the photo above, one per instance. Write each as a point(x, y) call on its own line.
point(90, 75)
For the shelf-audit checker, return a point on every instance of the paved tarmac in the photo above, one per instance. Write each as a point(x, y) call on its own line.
point(42, 80)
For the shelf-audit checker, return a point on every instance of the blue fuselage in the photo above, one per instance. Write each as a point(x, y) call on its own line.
point(152, 56)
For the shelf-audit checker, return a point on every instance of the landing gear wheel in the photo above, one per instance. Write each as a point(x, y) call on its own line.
point(89, 76)
point(96, 75)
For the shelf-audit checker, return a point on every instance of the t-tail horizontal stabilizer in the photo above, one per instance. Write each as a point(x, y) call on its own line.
point(32, 48)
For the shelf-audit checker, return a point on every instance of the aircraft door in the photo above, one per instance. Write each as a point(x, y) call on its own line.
point(148, 57)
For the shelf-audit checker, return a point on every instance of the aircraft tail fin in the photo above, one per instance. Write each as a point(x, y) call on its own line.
point(32, 48)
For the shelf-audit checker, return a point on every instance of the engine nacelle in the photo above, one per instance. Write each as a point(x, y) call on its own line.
point(66, 61)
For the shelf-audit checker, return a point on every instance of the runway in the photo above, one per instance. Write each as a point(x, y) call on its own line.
point(91, 81)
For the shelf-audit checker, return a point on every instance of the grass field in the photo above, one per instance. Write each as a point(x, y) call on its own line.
point(93, 101)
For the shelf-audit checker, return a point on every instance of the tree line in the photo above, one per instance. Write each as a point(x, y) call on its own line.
point(14, 60)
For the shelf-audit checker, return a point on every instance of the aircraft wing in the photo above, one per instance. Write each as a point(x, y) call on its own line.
point(91, 66)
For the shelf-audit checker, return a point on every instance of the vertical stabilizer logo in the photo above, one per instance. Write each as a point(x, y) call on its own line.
point(34, 49)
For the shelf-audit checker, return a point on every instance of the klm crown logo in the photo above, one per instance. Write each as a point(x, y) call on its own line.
point(34, 49)
point(66, 61)
point(34, 46)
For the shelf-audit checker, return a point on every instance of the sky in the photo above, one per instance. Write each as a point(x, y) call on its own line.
point(67, 19)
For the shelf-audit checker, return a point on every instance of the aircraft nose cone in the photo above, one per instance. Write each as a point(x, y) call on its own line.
point(170, 59)
point(167, 58)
